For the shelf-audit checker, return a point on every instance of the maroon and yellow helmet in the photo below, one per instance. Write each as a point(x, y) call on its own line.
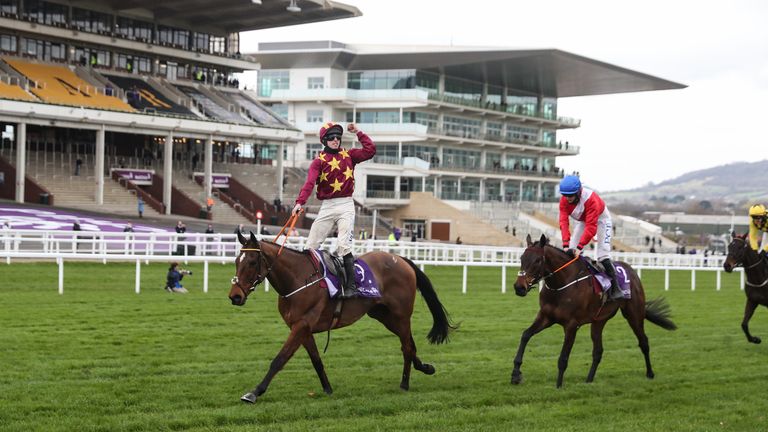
point(328, 128)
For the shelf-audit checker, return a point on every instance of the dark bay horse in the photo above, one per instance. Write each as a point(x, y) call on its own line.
point(756, 285)
point(568, 299)
point(307, 309)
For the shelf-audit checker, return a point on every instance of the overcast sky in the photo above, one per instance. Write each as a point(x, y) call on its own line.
point(719, 49)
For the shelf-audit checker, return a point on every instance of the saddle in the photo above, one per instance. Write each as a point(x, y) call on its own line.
point(594, 265)
point(333, 264)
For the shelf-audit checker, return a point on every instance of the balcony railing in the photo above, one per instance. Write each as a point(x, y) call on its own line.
point(514, 109)
point(342, 94)
point(502, 138)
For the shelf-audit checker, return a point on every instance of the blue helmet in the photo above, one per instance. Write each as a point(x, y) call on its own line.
point(570, 185)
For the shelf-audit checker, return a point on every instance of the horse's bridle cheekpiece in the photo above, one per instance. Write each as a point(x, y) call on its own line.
point(259, 278)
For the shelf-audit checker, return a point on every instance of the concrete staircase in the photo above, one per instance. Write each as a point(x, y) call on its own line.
point(222, 212)
point(79, 192)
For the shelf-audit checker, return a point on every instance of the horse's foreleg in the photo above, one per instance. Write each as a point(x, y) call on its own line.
point(597, 348)
point(748, 311)
point(540, 323)
point(299, 333)
point(314, 355)
point(562, 362)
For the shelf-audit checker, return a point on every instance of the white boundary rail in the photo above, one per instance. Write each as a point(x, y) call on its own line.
point(107, 247)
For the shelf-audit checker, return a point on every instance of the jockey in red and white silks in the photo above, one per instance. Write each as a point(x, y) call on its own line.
point(590, 216)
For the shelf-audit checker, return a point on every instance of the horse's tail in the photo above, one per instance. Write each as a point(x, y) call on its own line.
point(657, 311)
point(441, 325)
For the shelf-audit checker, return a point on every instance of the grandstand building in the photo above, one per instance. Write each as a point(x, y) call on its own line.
point(144, 93)
point(463, 124)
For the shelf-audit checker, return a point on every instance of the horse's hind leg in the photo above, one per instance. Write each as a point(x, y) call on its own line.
point(597, 348)
point(426, 368)
point(299, 332)
point(636, 321)
point(748, 311)
point(540, 323)
point(314, 355)
point(402, 328)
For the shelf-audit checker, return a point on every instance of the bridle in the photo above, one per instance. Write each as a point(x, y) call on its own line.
point(532, 282)
point(259, 278)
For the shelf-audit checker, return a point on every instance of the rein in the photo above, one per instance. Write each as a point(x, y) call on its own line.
point(535, 281)
point(292, 221)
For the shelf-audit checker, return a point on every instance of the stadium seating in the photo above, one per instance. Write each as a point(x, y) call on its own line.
point(59, 85)
point(144, 97)
point(211, 108)
point(256, 111)
point(9, 91)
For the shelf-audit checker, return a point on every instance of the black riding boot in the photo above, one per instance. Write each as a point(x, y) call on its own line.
point(615, 292)
point(350, 288)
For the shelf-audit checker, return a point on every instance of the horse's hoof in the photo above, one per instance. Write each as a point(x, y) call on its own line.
point(248, 397)
point(328, 391)
point(517, 379)
point(755, 340)
point(428, 369)
point(650, 375)
point(405, 387)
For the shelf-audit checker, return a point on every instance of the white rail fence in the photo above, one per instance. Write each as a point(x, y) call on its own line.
point(138, 247)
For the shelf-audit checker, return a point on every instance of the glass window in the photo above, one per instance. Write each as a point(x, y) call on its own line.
point(427, 119)
point(314, 116)
point(280, 109)
point(459, 158)
point(427, 80)
point(380, 187)
point(272, 80)
point(315, 82)
point(449, 189)
point(313, 149)
point(462, 127)
point(423, 152)
point(382, 79)
point(8, 43)
point(9, 7)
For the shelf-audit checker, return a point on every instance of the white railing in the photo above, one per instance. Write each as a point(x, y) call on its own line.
point(222, 248)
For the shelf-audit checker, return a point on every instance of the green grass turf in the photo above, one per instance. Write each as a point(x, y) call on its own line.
point(101, 357)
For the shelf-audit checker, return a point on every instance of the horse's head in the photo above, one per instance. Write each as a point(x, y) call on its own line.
point(738, 251)
point(250, 269)
point(532, 266)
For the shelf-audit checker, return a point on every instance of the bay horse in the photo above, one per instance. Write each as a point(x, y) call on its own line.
point(307, 308)
point(756, 284)
point(568, 299)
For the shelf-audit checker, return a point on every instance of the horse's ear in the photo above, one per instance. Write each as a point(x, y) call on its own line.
point(543, 240)
point(528, 239)
point(240, 238)
point(733, 234)
point(743, 236)
point(253, 238)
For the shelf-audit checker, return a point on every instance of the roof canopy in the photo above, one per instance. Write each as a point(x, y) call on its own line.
point(225, 16)
point(548, 72)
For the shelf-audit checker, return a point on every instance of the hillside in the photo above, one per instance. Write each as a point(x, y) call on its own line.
point(737, 183)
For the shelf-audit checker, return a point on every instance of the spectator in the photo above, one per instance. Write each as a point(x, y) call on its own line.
point(195, 159)
point(78, 164)
point(209, 230)
point(514, 232)
point(121, 162)
point(174, 277)
point(128, 227)
point(180, 228)
point(6, 226)
point(76, 227)
point(398, 233)
point(506, 228)
point(413, 235)
point(140, 206)
point(209, 204)
point(458, 240)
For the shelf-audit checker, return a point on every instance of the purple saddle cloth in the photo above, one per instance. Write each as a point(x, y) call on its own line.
point(622, 276)
point(366, 282)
